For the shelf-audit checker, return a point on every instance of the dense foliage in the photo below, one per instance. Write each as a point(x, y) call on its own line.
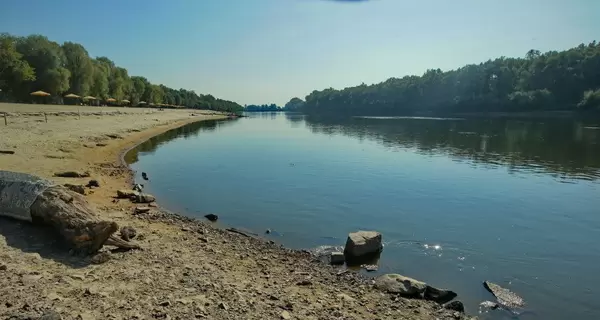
point(34, 63)
point(541, 81)
point(263, 108)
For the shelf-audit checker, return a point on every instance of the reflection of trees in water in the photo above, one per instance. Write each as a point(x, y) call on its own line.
point(296, 119)
point(185, 132)
point(563, 148)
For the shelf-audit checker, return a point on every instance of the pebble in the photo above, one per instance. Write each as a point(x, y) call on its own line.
point(3, 267)
point(285, 315)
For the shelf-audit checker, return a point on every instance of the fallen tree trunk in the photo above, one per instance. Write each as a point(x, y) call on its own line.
point(66, 211)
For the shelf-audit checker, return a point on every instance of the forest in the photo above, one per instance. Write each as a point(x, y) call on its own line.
point(263, 108)
point(35, 63)
point(566, 80)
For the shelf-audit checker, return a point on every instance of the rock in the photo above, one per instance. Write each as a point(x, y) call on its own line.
point(165, 303)
point(7, 152)
point(370, 267)
point(305, 282)
point(337, 257)
point(138, 187)
point(72, 174)
point(79, 188)
point(50, 315)
point(126, 194)
point(285, 315)
point(405, 286)
point(439, 295)
point(268, 231)
point(144, 176)
point(363, 243)
point(141, 209)
point(114, 136)
point(212, 217)
point(93, 184)
point(346, 297)
point(223, 306)
point(128, 233)
point(3, 267)
point(505, 297)
point(101, 144)
point(144, 198)
point(455, 305)
point(101, 258)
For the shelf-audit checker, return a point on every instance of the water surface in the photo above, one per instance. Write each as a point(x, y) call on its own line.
point(458, 201)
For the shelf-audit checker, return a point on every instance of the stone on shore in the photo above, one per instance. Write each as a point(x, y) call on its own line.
point(79, 188)
point(93, 183)
point(142, 209)
point(144, 198)
point(337, 258)
point(126, 194)
point(455, 305)
point(439, 295)
point(399, 284)
point(363, 243)
point(72, 174)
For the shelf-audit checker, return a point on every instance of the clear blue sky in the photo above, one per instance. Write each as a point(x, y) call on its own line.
point(262, 51)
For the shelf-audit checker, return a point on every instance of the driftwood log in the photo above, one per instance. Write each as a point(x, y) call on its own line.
point(70, 214)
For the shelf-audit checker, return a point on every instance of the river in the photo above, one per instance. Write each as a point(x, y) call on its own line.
point(458, 201)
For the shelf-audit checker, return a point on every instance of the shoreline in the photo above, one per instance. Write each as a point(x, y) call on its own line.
point(187, 268)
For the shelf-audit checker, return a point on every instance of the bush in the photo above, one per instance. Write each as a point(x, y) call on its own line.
point(591, 99)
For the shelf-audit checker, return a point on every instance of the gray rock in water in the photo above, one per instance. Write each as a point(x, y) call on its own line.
point(337, 258)
point(505, 297)
point(212, 217)
point(405, 286)
point(363, 243)
point(455, 305)
point(439, 295)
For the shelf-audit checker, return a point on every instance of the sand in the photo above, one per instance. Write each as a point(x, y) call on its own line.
point(187, 269)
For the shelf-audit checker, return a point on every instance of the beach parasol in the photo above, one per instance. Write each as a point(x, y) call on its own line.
point(111, 100)
point(40, 93)
point(126, 101)
point(72, 95)
point(89, 98)
point(142, 102)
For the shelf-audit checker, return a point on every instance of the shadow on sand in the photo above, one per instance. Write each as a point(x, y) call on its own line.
point(43, 240)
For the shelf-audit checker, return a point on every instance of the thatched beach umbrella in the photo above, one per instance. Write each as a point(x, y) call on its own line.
point(126, 101)
point(40, 93)
point(89, 98)
point(111, 100)
point(142, 102)
point(72, 95)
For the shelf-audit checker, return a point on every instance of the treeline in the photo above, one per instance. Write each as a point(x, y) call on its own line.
point(33, 63)
point(567, 80)
point(263, 108)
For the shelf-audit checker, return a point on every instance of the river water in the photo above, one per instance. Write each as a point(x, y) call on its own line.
point(458, 201)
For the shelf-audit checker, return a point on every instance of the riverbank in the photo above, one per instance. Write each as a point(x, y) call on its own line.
point(187, 268)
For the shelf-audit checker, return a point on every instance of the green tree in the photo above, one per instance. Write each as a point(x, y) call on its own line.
point(48, 60)
point(14, 71)
point(80, 65)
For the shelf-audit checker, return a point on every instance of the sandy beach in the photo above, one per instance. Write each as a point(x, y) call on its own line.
point(186, 270)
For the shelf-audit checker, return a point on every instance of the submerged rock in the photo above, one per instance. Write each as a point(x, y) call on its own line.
point(505, 297)
point(212, 217)
point(405, 286)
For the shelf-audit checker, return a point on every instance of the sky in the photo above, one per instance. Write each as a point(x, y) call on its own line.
point(268, 51)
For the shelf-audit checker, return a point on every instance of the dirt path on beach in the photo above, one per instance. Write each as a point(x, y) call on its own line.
point(186, 270)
